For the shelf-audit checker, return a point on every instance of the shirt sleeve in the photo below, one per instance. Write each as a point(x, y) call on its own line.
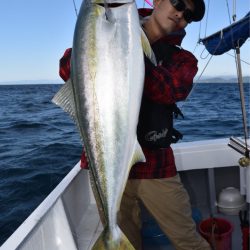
point(170, 81)
point(84, 160)
point(64, 65)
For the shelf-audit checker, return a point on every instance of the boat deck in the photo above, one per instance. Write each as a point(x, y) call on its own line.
point(92, 227)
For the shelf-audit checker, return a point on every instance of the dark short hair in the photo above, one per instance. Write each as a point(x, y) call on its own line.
point(199, 10)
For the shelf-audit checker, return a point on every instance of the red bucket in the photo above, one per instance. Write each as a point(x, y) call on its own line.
point(218, 232)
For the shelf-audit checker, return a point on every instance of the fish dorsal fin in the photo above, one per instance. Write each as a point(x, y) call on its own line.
point(147, 49)
point(138, 155)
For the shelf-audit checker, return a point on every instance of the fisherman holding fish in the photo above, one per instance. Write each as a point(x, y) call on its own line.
point(156, 182)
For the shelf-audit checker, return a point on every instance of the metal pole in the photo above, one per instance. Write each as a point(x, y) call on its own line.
point(241, 87)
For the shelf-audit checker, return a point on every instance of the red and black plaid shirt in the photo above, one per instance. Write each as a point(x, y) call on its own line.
point(166, 83)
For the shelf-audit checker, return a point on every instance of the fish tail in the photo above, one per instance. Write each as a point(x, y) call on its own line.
point(147, 49)
point(112, 241)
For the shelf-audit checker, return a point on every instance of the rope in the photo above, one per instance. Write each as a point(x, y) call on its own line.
point(208, 5)
point(197, 80)
point(148, 2)
point(204, 68)
point(186, 101)
point(234, 11)
point(228, 12)
point(75, 8)
point(240, 59)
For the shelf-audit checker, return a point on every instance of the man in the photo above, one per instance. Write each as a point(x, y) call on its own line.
point(156, 183)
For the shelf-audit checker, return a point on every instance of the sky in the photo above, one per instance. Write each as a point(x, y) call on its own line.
point(34, 35)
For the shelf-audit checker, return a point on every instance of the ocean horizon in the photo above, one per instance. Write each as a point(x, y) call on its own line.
point(204, 79)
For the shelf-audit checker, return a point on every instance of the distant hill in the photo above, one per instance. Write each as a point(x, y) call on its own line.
point(225, 79)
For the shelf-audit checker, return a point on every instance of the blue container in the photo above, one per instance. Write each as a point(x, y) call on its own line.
point(152, 235)
point(196, 215)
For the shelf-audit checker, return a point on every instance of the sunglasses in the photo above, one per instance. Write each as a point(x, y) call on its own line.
point(179, 5)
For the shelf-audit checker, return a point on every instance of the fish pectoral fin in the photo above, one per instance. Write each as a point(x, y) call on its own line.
point(117, 240)
point(64, 99)
point(147, 49)
point(138, 155)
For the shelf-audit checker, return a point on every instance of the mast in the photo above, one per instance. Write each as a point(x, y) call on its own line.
point(235, 143)
point(242, 95)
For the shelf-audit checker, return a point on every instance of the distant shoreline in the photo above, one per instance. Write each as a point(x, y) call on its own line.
point(246, 79)
point(31, 82)
point(211, 80)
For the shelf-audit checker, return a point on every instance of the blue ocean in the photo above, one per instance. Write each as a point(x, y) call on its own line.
point(39, 143)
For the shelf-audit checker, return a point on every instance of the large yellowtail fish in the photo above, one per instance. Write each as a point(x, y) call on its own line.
point(103, 96)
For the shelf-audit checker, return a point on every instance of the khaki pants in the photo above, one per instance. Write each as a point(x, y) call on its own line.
point(168, 202)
